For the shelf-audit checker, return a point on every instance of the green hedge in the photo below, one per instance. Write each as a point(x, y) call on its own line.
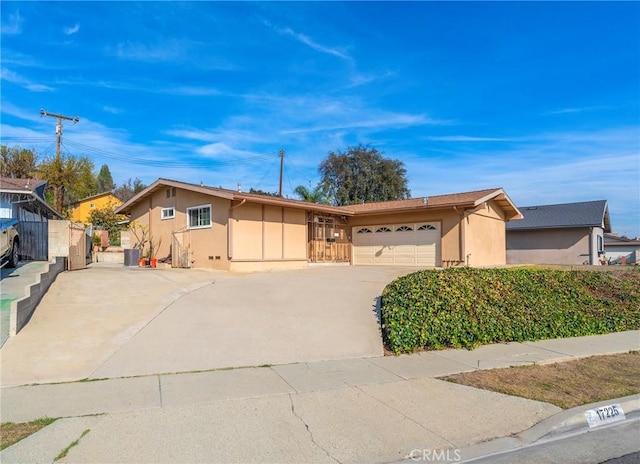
point(464, 307)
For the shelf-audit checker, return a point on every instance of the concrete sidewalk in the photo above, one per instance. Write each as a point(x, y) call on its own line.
point(359, 410)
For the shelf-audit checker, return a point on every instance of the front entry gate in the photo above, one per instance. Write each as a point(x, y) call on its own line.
point(328, 239)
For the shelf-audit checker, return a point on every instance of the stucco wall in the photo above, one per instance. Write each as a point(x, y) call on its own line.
point(548, 246)
point(207, 247)
point(268, 233)
point(484, 231)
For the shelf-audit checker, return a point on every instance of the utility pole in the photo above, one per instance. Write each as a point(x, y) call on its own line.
point(281, 170)
point(58, 191)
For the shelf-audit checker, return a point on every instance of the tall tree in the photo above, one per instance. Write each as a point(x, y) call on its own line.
point(315, 195)
point(71, 176)
point(263, 192)
point(17, 162)
point(128, 189)
point(104, 180)
point(362, 174)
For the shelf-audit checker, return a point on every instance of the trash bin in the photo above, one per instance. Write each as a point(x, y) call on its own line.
point(131, 257)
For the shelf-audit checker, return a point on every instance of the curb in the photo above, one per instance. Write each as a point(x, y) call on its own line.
point(570, 422)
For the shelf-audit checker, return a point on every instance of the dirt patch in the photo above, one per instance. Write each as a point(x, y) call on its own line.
point(566, 384)
point(11, 433)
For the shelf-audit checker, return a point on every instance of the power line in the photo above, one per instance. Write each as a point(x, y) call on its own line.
point(150, 162)
point(170, 163)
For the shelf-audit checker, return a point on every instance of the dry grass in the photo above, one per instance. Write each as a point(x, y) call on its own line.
point(567, 384)
point(11, 433)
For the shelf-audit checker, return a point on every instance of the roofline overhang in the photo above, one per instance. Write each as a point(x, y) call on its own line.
point(498, 195)
point(122, 209)
point(579, 226)
point(35, 197)
point(297, 204)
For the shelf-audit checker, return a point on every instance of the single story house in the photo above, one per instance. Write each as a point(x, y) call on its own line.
point(80, 210)
point(216, 228)
point(568, 233)
point(621, 250)
point(24, 200)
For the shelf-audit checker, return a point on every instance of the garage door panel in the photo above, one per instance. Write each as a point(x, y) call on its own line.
point(408, 244)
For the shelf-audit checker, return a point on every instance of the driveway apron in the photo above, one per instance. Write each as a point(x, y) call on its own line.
point(279, 317)
point(113, 321)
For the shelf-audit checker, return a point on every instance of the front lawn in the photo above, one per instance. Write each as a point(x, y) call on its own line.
point(566, 384)
point(464, 307)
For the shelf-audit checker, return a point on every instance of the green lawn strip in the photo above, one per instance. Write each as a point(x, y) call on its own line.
point(566, 384)
point(11, 433)
point(465, 307)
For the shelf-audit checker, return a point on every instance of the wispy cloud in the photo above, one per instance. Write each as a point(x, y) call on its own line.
point(382, 121)
point(580, 109)
point(72, 30)
point(162, 51)
point(545, 168)
point(309, 42)
point(111, 109)
point(314, 45)
point(466, 138)
point(13, 26)
point(14, 78)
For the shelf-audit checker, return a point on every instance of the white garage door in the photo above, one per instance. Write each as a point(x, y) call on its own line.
point(413, 244)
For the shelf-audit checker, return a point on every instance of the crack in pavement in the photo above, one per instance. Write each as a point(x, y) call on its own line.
point(313, 440)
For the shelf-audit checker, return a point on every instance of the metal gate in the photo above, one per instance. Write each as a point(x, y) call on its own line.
point(77, 247)
point(181, 249)
point(34, 240)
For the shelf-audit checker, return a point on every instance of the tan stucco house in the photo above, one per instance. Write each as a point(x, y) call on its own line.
point(217, 228)
point(567, 233)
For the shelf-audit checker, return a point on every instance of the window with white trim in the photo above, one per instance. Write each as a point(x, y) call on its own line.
point(404, 229)
point(364, 231)
point(427, 227)
point(168, 213)
point(199, 217)
point(383, 229)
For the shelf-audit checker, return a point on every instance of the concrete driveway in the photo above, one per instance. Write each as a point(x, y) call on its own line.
point(111, 321)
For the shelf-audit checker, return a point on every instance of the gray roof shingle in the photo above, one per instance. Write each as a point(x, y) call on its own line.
point(566, 215)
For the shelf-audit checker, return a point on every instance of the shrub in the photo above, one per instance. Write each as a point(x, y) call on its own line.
point(464, 307)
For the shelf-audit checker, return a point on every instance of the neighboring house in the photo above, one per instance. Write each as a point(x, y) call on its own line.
point(621, 250)
point(216, 228)
point(569, 233)
point(81, 209)
point(24, 201)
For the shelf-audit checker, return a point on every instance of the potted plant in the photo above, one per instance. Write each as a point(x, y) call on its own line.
point(141, 234)
point(96, 242)
point(154, 246)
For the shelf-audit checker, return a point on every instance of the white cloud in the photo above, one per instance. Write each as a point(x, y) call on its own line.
point(545, 169)
point(14, 25)
point(466, 138)
point(111, 109)
point(309, 42)
point(314, 45)
point(72, 30)
point(11, 76)
point(167, 50)
point(580, 109)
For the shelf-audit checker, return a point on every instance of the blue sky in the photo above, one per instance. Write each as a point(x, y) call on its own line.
point(540, 98)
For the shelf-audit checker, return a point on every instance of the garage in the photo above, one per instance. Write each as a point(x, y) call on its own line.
point(397, 244)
